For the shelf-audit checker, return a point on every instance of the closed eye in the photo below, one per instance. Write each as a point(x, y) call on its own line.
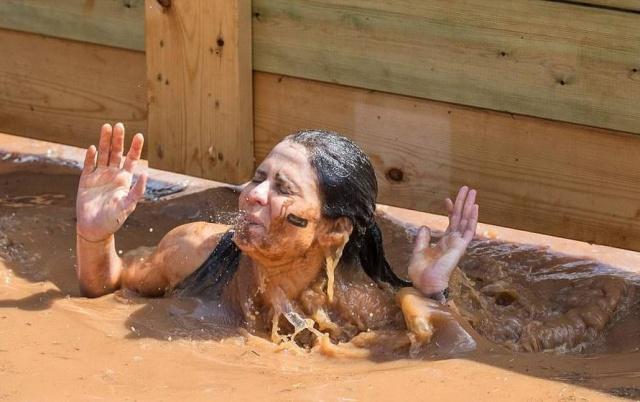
point(284, 185)
point(259, 176)
point(283, 188)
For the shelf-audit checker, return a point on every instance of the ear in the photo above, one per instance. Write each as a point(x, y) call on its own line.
point(334, 232)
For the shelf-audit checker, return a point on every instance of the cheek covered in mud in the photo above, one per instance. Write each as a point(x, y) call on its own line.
point(288, 234)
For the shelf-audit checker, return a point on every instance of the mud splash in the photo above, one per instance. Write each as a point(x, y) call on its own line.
point(516, 298)
point(528, 299)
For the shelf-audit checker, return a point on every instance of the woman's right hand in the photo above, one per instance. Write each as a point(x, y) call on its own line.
point(105, 196)
point(431, 266)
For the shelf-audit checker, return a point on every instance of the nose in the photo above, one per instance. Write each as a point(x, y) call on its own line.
point(260, 193)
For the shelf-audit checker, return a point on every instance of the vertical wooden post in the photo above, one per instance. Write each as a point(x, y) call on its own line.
point(200, 93)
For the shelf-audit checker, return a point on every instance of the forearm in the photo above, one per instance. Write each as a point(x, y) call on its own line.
point(99, 266)
point(416, 309)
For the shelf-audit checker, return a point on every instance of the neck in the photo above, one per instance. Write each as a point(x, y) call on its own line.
point(290, 277)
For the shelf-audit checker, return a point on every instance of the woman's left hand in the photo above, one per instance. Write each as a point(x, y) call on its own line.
point(431, 266)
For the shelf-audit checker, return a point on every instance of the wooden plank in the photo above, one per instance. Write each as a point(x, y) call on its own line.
point(63, 91)
point(118, 23)
point(553, 60)
point(532, 174)
point(200, 94)
point(621, 5)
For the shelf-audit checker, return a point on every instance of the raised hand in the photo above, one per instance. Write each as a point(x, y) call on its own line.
point(431, 266)
point(105, 196)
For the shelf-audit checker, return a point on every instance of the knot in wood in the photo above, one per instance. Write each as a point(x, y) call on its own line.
point(395, 174)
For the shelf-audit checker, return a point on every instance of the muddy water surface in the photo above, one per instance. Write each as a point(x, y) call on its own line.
point(516, 300)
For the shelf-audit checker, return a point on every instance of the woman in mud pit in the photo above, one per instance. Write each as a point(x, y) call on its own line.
point(306, 252)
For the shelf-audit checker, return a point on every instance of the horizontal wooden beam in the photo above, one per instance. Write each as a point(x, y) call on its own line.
point(553, 60)
point(618, 5)
point(532, 174)
point(63, 91)
point(118, 23)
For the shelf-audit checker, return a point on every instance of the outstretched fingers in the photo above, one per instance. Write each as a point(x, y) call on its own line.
point(117, 145)
point(467, 210)
point(472, 224)
point(456, 213)
point(449, 204)
point(468, 203)
point(463, 214)
point(418, 259)
point(135, 193)
point(104, 145)
point(422, 240)
point(135, 151)
point(89, 160)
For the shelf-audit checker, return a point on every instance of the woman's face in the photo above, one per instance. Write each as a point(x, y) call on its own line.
point(283, 184)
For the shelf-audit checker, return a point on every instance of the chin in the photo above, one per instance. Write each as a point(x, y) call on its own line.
point(249, 237)
point(257, 245)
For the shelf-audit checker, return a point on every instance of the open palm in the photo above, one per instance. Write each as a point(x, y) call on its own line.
point(431, 266)
point(105, 197)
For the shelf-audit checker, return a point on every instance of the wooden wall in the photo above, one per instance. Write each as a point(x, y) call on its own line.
point(116, 23)
point(480, 93)
point(509, 56)
point(63, 91)
point(533, 174)
point(547, 59)
point(616, 5)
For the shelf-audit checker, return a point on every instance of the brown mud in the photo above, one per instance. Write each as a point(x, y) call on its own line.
point(515, 299)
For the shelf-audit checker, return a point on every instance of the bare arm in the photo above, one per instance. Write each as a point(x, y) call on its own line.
point(430, 269)
point(105, 200)
point(99, 266)
point(154, 271)
point(150, 271)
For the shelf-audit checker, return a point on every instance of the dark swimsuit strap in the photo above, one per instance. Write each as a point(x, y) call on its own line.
point(213, 276)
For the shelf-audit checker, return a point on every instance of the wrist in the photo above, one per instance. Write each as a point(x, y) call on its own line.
point(441, 296)
point(433, 285)
point(92, 239)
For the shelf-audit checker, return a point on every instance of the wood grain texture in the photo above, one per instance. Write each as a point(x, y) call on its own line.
point(118, 23)
point(532, 174)
point(621, 5)
point(63, 91)
point(200, 93)
point(553, 60)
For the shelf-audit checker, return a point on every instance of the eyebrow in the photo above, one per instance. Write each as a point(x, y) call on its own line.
point(284, 177)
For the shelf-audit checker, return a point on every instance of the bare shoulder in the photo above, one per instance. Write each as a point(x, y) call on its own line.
point(195, 233)
point(151, 271)
point(186, 247)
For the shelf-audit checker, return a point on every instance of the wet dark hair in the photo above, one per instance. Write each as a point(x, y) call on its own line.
point(349, 188)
